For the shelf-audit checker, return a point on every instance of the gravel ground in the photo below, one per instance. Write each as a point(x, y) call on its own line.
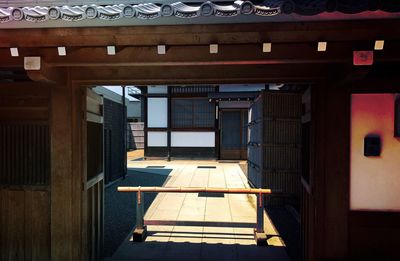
point(120, 208)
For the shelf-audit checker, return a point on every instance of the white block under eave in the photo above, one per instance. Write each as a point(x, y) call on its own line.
point(213, 48)
point(62, 51)
point(32, 63)
point(161, 49)
point(379, 44)
point(267, 47)
point(322, 46)
point(111, 50)
point(14, 52)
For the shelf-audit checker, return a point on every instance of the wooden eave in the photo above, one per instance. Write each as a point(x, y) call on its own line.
point(294, 56)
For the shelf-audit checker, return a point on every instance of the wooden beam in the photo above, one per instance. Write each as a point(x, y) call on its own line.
point(201, 74)
point(199, 55)
point(237, 54)
point(356, 30)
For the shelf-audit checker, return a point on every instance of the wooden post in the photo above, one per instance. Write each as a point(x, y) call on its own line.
point(169, 124)
point(124, 131)
point(67, 168)
point(140, 232)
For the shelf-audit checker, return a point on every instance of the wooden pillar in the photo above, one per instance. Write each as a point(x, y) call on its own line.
point(144, 100)
point(66, 171)
point(169, 124)
point(330, 187)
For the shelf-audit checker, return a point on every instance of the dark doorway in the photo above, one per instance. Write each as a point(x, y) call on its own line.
point(233, 129)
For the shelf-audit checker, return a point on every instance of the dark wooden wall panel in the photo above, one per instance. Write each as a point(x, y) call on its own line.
point(15, 225)
point(24, 154)
point(193, 89)
point(307, 224)
point(28, 222)
point(307, 207)
point(24, 172)
point(374, 235)
point(113, 139)
point(24, 134)
point(95, 222)
point(22, 102)
point(3, 227)
point(275, 127)
point(40, 226)
point(24, 225)
point(255, 142)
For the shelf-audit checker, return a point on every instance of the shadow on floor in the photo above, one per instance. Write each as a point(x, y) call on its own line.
point(199, 251)
point(119, 220)
point(288, 228)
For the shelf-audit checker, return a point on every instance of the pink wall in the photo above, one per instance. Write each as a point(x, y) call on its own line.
point(374, 181)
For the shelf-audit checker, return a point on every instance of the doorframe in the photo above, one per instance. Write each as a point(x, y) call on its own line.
point(220, 112)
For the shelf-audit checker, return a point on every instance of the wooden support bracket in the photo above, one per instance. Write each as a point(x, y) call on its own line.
point(41, 72)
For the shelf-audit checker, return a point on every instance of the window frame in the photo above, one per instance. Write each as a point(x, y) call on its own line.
point(192, 115)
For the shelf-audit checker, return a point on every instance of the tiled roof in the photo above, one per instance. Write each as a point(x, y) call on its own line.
point(72, 10)
point(139, 11)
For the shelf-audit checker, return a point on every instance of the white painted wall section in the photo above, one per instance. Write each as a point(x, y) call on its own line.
point(374, 181)
point(157, 139)
point(192, 139)
point(157, 112)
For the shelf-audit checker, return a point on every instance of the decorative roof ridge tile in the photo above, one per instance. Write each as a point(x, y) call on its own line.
point(140, 11)
point(77, 10)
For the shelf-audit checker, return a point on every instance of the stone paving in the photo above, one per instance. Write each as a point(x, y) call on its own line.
point(224, 240)
point(135, 155)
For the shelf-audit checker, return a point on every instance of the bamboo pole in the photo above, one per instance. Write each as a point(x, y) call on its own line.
point(195, 190)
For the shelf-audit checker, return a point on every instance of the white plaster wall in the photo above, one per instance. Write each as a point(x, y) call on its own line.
point(157, 139)
point(192, 139)
point(157, 112)
point(374, 181)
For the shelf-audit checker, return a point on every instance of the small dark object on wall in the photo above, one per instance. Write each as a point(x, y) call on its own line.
point(397, 117)
point(372, 146)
